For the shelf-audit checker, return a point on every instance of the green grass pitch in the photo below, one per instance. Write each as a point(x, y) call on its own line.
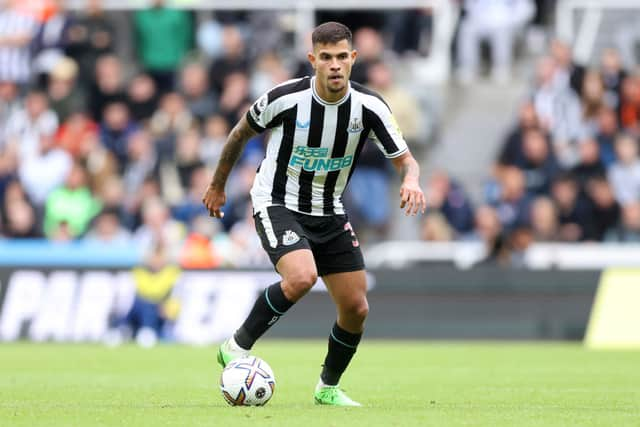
point(400, 383)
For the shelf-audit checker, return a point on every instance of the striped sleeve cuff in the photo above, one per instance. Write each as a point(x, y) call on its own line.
point(254, 125)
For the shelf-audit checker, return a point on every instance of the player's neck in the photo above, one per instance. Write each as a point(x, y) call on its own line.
point(326, 95)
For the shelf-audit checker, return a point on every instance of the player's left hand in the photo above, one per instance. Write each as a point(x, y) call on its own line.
point(412, 198)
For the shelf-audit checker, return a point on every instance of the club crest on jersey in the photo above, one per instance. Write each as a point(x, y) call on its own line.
point(289, 238)
point(355, 125)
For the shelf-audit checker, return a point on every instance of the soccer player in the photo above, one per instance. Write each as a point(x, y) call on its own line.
point(318, 127)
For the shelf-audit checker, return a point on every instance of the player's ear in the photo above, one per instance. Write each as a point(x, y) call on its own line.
point(354, 55)
point(312, 59)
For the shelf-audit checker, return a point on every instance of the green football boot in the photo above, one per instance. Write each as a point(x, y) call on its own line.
point(229, 351)
point(332, 395)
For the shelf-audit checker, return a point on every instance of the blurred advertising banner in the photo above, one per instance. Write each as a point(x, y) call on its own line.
point(81, 305)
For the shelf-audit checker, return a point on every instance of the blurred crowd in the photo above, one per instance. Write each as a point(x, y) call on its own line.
point(100, 147)
point(568, 171)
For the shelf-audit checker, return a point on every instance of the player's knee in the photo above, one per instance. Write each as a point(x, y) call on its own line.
point(359, 309)
point(297, 284)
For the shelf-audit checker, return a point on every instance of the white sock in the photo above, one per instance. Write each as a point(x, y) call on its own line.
point(321, 384)
point(233, 345)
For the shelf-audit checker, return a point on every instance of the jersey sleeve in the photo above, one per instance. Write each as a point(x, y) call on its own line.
point(385, 130)
point(261, 113)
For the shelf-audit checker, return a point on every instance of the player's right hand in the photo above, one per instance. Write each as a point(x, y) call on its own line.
point(213, 200)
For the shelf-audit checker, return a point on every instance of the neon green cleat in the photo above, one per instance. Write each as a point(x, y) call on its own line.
point(332, 395)
point(229, 351)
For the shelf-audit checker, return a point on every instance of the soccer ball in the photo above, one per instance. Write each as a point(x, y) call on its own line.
point(247, 382)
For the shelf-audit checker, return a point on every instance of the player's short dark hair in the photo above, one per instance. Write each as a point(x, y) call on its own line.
point(331, 33)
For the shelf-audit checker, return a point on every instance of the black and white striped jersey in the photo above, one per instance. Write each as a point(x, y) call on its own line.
point(314, 145)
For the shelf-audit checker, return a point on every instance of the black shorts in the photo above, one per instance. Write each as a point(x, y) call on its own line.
point(331, 239)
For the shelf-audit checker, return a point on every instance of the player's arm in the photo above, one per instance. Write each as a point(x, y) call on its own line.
point(411, 196)
point(214, 198)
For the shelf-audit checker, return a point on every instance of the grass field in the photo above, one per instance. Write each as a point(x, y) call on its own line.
point(400, 384)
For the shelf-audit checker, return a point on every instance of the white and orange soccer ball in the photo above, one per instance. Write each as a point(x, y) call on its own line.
point(247, 382)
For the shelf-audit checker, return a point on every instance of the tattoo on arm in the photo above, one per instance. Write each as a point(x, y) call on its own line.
point(236, 141)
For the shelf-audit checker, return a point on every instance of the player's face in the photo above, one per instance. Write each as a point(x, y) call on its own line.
point(332, 63)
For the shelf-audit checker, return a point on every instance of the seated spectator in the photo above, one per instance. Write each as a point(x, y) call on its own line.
point(630, 105)
point(244, 248)
point(624, 173)
point(511, 152)
point(569, 74)
point(589, 163)
point(538, 164)
point(435, 228)
point(605, 134)
point(593, 100)
point(10, 102)
point(71, 204)
point(190, 206)
point(153, 307)
point(65, 96)
point(157, 226)
point(142, 98)
point(115, 131)
point(199, 251)
point(233, 60)
point(45, 170)
point(269, 72)
point(446, 196)
point(370, 46)
point(405, 106)
point(21, 221)
point(194, 85)
point(234, 98)
point(628, 230)
point(216, 130)
point(107, 86)
point(25, 126)
point(141, 162)
point(544, 220)
point(50, 42)
point(107, 229)
point(613, 75)
point(513, 202)
point(78, 136)
point(17, 31)
point(171, 119)
point(605, 211)
point(574, 214)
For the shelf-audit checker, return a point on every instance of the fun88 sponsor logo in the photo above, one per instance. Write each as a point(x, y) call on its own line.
point(315, 159)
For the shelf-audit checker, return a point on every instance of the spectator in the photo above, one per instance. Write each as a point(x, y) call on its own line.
point(216, 129)
point(10, 102)
point(107, 229)
point(569, 74)
point(245, 249)
point(142, 98)
point(539, 164)
point(171, 119)
point(163, 38)
point(21, 221)
point(513, 202)
point(194, 84)
point(115, 131)
point(191, 207)
point(593, 99)
point(446, 196)
point(158, 228)
point(45, 170)
point(628, 230)
point(65, 95)
point(370, 46)
point(269, 72)
point(26, 126)
point(107, 87)
point(612, 76)
point(233, 59)
point(606, 133)
point(50, 42)
point(589, 164)
point(498, 21)
point(574, 214)
point(90, 36)
point(72, 204)
point(630, 104)
point(151, 310)
point(624, 174)
point(141, 162)
point(605, 211)
point(405, 106)
point(544, 220)
point(78, 136)
point(435, 228)
point(17, 31)
point(234, 99)
point(511, 152)
point(198, 251)
point(487, 227)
